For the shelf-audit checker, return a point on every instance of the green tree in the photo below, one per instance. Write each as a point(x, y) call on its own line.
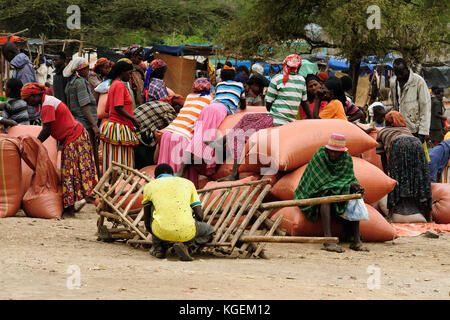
point(415, 28)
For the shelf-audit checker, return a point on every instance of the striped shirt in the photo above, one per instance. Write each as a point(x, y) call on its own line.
point(229, 93)
point(286, 99)
point(17, 110)
point(79, 95)
point(185, 121)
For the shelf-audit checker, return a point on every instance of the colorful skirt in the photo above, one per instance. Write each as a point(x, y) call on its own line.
point(205, 130)
point(78, 172)
point(409, 166)
point(118, 144)
point(248, 125)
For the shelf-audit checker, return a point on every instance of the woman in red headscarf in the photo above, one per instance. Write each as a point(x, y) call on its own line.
point(78, 172)
point(411, 199)
point(98, 74)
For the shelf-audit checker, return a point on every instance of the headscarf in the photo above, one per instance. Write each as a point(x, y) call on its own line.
point(225, 67)
point(396, 119)
point(322, 76)
point(291, 65)
point(125, 60)
point(242, 77)
point(447, 136)
point(311, 77)
point(133, 50)
point(100, 62)
point(202, 85)
point(32, 88)
point(75, 64)
point(154, 65)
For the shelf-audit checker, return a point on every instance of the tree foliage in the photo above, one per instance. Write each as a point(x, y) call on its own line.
point(119, 22)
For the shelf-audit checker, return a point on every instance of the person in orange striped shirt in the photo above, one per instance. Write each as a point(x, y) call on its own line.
point(179, 133)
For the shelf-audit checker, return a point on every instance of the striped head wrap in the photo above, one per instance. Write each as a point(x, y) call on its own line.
point(100, 62)
point(155, 64)
point(31, 88)
point(396, 119)
point(291, 65)
point(201, 85)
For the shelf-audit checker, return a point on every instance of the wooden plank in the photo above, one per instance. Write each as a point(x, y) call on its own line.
point(206, 198)
point(127, 222)
point(225, 210)
point(218, 207)
point(308, 202)
point(136, 172)
point(262, 217)
point(115, 185)
point(240, 212)
point(120, 191)
point(227, 186)
point(213, 202)
point(270, 233)
point(220, 229)
point(250, 214)
point(139, 218)
point(127, 194)
point(278, 239)
point(133, 200)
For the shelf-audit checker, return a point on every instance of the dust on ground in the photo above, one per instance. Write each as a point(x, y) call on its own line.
point(36, 256)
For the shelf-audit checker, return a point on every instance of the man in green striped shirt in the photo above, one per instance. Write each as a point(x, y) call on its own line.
point(287, 91)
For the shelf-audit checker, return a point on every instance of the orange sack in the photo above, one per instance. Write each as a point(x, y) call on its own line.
point(215, 193)
point(10, 178)
point(371, 155)
point(44, 197)
point(374, 181)
point(49, 144)
point(300, 140)
point(376, 229)
point(441, 202)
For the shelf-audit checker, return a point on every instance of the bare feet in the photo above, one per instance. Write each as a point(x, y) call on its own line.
point(359, 247)
point(333, 248)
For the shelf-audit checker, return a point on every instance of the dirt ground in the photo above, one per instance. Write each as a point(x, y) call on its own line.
point(36, 255)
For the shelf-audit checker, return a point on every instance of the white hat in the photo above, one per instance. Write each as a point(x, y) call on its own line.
point(258, 68)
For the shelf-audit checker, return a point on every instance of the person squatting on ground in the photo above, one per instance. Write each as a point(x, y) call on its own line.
point(169, 204)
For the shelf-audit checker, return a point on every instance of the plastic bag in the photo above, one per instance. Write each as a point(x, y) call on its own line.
point(356, 211)
point(103, 87)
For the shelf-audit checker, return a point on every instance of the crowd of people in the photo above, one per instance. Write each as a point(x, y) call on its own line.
point(149, 124)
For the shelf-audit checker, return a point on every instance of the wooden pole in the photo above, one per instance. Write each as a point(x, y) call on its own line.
point(80, 50)
point(276, 239)
point(308, 202)
point(230, 185)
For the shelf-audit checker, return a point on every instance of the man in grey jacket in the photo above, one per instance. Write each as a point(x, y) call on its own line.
point(411, 97)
